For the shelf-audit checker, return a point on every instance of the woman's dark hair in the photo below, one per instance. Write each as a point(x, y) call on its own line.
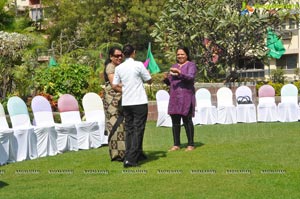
point(111, 52)
point(186, 50)
point(128, 50)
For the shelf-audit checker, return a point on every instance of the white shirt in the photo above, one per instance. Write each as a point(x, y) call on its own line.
point(132, 74)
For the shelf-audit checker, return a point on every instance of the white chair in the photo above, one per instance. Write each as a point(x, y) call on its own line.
point(162, 102)
point(44, 127)
point(226, 110)
point(266, 108)
point(288, 107)
point(245, 112)
point(94, 112)
point(23, 130)
point(72, 132)
point(205, 112)
point(8, 144)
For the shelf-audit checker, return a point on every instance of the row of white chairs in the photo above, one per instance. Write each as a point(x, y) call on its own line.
point(43, 137)
point(228, 112)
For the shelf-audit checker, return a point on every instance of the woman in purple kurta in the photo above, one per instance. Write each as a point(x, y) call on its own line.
point(182, 97)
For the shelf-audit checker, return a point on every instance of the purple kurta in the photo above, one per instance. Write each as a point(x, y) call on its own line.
point(182, 90)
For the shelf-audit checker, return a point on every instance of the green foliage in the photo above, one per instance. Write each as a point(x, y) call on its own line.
point(297, 84)
point(157, 84)
point(65, 78)
point(277, 76)
point(6, 18)
point(231, 37)
point(11, 54)
point(89, 24)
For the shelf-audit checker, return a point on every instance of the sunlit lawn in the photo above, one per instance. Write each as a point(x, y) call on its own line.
point(260, 160)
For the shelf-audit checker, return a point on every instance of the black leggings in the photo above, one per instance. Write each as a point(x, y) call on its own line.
point(188, 125)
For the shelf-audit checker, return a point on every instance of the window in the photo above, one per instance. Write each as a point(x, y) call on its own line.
point(251, 68)
point(287, 62)
point(251, 64)
point(293, 24)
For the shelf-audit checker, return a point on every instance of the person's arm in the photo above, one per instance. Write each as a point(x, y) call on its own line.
point(115, 84)
point(166, 79)
point(118, 87)
point(149, 81)
point(145, 74)
point(189, 75)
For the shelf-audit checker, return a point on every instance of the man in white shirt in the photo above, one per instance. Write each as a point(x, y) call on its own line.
point(132, 75)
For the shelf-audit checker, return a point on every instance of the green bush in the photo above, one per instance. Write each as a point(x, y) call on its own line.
point(65, 78)
point(277, 76)
point(297, 84)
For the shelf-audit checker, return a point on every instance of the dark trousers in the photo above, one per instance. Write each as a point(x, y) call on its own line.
point(135, 122)
point(188, 125)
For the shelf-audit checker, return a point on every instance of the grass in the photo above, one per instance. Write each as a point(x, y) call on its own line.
point(258, 160)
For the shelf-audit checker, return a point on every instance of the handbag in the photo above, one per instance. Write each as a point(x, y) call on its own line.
point(244, 100)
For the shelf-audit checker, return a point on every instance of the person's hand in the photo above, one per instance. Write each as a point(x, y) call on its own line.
point(165, 75)
point(175, 71)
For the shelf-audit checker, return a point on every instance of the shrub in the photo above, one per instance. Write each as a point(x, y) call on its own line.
point(277, 76)
point(65, 78)
point(297, 84)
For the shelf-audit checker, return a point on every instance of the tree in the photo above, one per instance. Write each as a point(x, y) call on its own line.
point(11, 51)
point(218, 33)
point(6, 19)
point(90, 23)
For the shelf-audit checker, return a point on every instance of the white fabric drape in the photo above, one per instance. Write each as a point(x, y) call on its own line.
point(46, 140)
point(97, 137)
point(162, 103)
point(8, 146)
point(267, 110)
point(226, 109)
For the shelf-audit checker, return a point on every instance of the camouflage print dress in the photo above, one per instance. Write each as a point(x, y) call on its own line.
point(112, 111)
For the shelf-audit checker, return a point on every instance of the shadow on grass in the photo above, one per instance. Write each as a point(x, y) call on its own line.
point(3, 184)
point(196, 144)
point(154, 155)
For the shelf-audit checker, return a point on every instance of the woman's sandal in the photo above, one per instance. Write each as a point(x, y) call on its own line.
point(190, 148)
point(174, 148)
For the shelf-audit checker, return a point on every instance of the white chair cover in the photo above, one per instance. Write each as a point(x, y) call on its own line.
point(88, 135)
point(245, 112)
point(288, 107)
point(45, 127)
point(8, 146)
point(226, 110)
point(205, 112)
point(97, 138)
point(46, 140)
point(23, 131)
point(67, 137)
point(266, 108)
point(162, 102)
point(94, 112)
point(27, 144)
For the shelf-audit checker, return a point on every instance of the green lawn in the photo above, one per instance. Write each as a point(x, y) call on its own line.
point(260, 160)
